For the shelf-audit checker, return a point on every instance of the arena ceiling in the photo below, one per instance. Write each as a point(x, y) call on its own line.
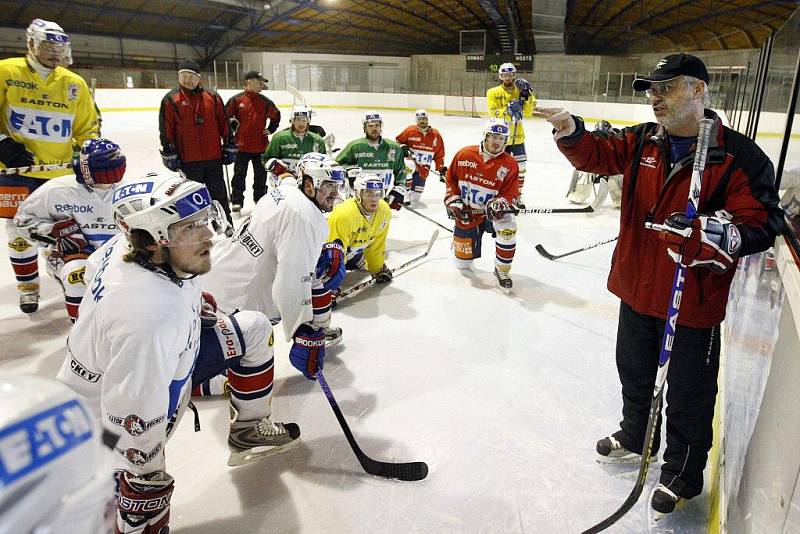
point(404, 27)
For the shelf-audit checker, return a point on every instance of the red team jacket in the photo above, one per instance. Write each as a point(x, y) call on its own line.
point(194, 123)
point(428, 149)
point(477, 182)
point(738, 178)
point(252, 110)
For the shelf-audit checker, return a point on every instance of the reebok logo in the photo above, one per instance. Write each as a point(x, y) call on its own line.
point(466, 163)
point(22, 84)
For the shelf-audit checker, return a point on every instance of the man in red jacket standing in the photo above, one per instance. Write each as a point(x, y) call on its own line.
point(195, 137)
point(738, 214)
point(248, 113)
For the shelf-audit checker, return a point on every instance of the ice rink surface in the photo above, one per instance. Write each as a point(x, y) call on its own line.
point(503, 395)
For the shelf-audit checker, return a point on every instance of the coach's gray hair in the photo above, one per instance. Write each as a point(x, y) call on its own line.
point(706, 95)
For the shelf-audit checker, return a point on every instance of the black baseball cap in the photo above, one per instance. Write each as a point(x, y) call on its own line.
point(254, 75)
point(671, 67)
point(187, 65)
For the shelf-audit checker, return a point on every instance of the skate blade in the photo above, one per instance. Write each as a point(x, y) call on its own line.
point(678, 505)
point(629, 459)
point(333, 342)
point(259, 453)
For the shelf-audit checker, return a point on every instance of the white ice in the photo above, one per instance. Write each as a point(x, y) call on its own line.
point(503, 395)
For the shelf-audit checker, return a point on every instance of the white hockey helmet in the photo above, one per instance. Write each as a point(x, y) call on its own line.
point(495, 126)
point(372, 116)
point(507, 68)
point(158, 201)
point(420, 113)
point(367, 181)
point(320, 168)
point(43, 31)
point(55, 461)
point(301, 111)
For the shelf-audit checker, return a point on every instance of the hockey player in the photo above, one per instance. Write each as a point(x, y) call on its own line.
point(361, 224)
point(247, 113)
point(290, 144)
point(482, 182)
point(583, 183)
point(511, 100)
point(376, 154)
point(278, 261)
point(738, 214)
point(55, 460)
point(135, 349)
point(46, 110)
point(427, 151)
point(71, 216)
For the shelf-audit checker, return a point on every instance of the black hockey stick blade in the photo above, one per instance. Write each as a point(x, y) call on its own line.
point(406, 471)
point(540, 249)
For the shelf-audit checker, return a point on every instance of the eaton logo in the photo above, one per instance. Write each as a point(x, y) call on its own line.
point(40, 124)
point(133, 189)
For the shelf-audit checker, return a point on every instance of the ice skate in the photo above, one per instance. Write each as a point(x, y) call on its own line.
point(665, 502)
point(250, 441)
point(333, 336)
point(610, 451)
point(28, 297)
point(504, 279)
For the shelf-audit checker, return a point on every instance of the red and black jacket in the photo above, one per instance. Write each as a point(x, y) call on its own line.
point(738, 178)
point(194, 123)
point(252, 110)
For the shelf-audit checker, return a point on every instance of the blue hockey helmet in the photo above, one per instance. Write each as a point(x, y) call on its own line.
point(99, 161)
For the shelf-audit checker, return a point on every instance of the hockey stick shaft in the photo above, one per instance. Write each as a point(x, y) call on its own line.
point(437, 223)
point(35, 168)
point(703, 138)
point(373, 280)
point(410, 471)
point(541, 250)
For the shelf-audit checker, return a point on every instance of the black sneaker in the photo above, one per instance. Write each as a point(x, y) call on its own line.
point(610, 451)
point(664, 501)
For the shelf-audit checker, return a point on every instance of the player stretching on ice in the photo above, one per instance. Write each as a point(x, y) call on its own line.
point(482, 181)
point(71, 216)
point(133, 352)
point(427, 151)
point(38, 129)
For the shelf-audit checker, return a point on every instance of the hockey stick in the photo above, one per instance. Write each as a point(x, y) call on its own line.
point(540, 249)
point(373, 280)
point(592, 209)
point(408, 471)
point(669, 335)
point(440, 225)
point(36, 168)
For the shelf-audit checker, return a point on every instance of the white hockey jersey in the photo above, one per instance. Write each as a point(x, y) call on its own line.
point(268, 265)
point(132, 351)
point(63, 197)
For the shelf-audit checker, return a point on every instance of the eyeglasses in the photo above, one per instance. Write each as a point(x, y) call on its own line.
point(664, 88)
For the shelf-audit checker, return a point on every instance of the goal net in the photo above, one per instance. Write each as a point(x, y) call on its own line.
point(461, 106)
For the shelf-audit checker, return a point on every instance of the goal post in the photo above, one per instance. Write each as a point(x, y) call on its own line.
point(461, 106)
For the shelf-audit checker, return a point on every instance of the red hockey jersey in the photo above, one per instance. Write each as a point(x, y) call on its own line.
point(428, 149)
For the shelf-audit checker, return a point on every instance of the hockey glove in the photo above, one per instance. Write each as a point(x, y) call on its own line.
point(233, 123)
point(331, 265)
point(307, 354)
point(208, 311)
point(525, 88)
point(456, 208)
point(229, 150)
point(442, 174)
point(170, 158)
point(143, 501)
point(14, 154)
point(497, 208)
point(706, 241)
point(515, 109)
point(384, 275)
point(70, 242)
point(396, 197)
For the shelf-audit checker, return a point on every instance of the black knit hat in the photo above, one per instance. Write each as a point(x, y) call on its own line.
point(671, 67)
point(187, 65)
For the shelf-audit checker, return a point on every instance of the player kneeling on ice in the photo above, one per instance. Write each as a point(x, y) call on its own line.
point(482, 181)
point(71, 216)
point(361, 224)
point(134, 351)
point(279, 263)
point(427, 151)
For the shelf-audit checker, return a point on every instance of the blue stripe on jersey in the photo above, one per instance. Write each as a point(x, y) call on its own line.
point(175, 388)
point(238, 330)
point(97, 239)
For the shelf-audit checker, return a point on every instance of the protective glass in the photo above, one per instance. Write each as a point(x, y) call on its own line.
point(200, 227)
point(328, 186)
point(661, 89)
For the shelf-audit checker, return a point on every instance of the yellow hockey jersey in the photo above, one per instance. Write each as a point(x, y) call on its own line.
point(359, 234)
point(47, 116)
point(497, 99)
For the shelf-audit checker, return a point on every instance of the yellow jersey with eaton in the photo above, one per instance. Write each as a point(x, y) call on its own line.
point(497, 99)
point(48, 116)
point(359, 234)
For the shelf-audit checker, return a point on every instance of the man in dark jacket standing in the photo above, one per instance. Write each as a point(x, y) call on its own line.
point(248, 112)
point(195, 137)
point(738, 214)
